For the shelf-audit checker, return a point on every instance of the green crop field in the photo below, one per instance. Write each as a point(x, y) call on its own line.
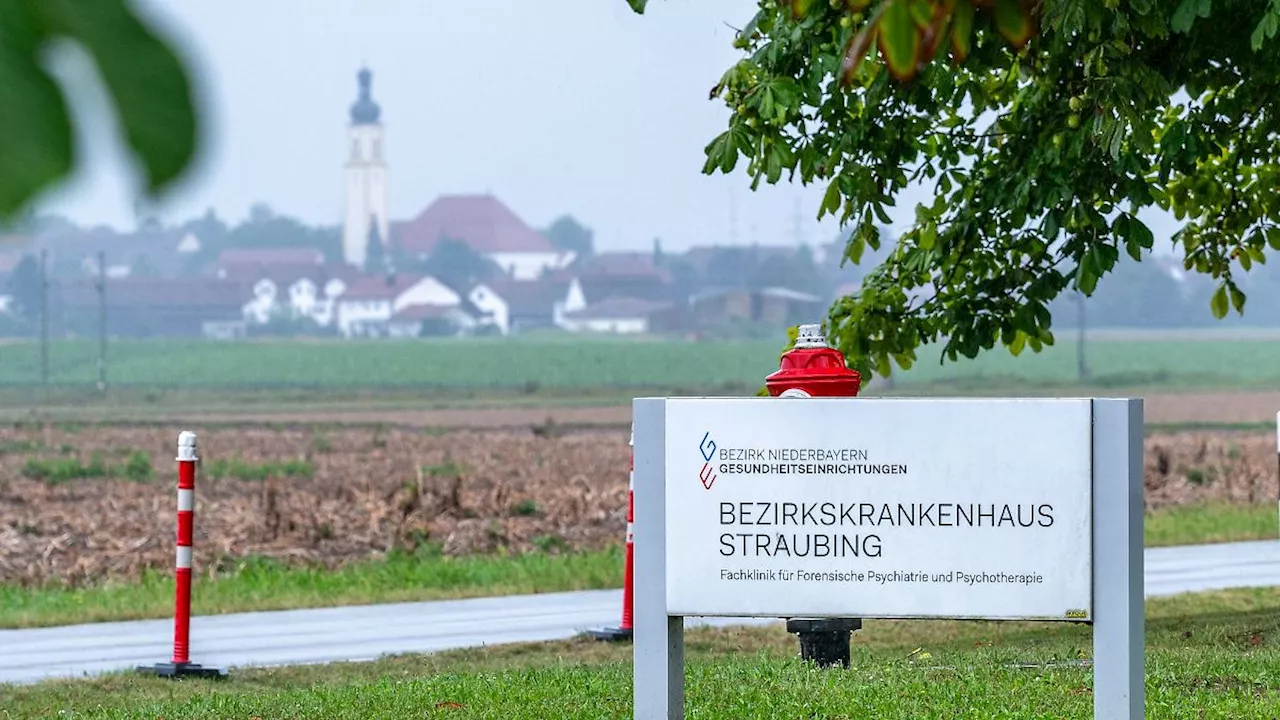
point(1231, 361)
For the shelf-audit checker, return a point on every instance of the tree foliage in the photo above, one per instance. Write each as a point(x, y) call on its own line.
point(566, 233)
point(375, 257)
point(454, 263)
point(146, 82)
point(24, 287)
point(1043, 130)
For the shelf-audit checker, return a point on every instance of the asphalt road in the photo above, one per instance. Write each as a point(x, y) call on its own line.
point(366, 632)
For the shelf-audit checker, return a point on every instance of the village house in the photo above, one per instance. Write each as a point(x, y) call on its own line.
point(625, 274)
point(625, 316)
point(516, 306)
point(488, 227)
point(150, 307)
point(773, 306)
point(371, 305)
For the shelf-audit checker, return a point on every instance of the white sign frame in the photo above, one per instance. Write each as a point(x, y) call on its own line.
point(1116, 565)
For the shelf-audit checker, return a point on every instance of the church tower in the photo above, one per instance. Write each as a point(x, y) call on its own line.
point(366, 176)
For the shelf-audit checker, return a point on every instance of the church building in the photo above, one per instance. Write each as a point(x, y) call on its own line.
point(483, 222)
point(366, 213)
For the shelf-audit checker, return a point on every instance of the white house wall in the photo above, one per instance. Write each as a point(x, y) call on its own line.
point(529, 265)
point(483, 297)
point(573, 301)
point(427, 291)
point(617, 326)
point(356, 316)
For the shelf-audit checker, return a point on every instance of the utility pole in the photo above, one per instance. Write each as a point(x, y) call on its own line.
point(102, 321)
point(44, 323)
point(1082, 366)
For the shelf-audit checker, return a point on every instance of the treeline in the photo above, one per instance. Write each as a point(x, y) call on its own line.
point(1156, 294)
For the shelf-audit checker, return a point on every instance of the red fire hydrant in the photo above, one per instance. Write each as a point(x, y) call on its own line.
point(815, 369)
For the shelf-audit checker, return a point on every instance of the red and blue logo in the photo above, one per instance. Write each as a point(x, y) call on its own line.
point(708, 449)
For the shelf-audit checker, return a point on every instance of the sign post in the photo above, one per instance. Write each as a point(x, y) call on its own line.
point(995, 509)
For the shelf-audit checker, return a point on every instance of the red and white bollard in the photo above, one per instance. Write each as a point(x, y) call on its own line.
point(181, 665)
point(624, 630)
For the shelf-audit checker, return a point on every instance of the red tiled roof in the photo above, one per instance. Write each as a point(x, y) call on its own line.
point(376, 287)
point(482, 221)
point(635, 265)
point(529, 296)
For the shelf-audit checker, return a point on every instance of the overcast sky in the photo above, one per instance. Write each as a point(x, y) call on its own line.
point(568, 106)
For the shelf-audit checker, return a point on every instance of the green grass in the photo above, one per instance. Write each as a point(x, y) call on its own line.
point(136, 467)
point(1208, 656)
point(533, 365)
point(259, 584)
point(1214, 523)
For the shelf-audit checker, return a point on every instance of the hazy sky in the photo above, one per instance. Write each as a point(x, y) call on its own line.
point(566, 106)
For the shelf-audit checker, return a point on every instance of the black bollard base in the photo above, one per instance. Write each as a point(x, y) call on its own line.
point(178, 670)
point(612, 634)
point(824, 641)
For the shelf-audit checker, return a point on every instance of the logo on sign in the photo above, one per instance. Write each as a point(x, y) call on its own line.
point(708, 449)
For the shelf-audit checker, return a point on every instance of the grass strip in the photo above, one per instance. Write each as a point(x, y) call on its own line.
point(262, 584)
point(1209, 655)
point(1211, 523)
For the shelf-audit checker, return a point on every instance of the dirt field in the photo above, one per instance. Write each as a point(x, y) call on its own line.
point(341, 495)
point(1160, 408)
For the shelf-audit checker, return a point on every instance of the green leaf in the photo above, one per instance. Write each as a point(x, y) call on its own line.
point(149, 87)
point(1013, 22)
point(34, 123)
point(831, 199)
point(1237, 298)
point(928, 236)
point(961, 30)
point(1266, 27)
point(1218, 304)
point(773, 165)
point(1019, 343)
point(638, 5)
point(922, 11)
point(721, 153)
point(857, 50)
point(1087, 274)
point(857, 244)
point(801, 8)
point(1187, 12)
point(1273, 237)
point(899, 39)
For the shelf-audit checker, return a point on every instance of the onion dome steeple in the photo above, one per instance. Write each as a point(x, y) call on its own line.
point(364, 111)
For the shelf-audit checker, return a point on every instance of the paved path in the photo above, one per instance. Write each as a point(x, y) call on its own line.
point(365, 632)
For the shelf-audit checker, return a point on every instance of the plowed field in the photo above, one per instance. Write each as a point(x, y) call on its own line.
point(351, 494)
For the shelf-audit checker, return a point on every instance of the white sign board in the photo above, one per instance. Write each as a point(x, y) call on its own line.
point(888, 508)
